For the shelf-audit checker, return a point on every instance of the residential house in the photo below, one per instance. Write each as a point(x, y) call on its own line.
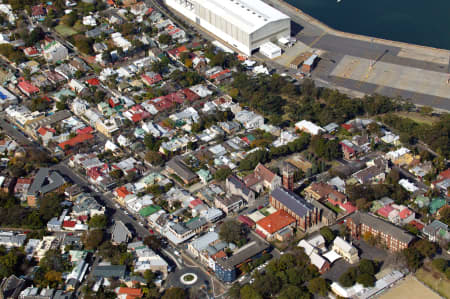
point(437, 231)
point(55, 51)
point(326, 193)
point(375, 172)
point(229, 204)
point(177, 167)
point(237, 187)
point(11, 287)
point(249, 119)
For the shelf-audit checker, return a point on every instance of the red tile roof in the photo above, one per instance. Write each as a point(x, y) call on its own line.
point(384, 211)
point(80, 138)
point(135, 293)
point(122, 192)
point(216, 75)
point(151, 80)
point(30, 51)
point(69, 223)
point(27, 87)
point(276, 221)
point(85, 130)
point(44, 130)
point(93, 82)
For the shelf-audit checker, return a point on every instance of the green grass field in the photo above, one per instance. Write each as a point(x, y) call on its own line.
point(418, 117)
point(65, 30)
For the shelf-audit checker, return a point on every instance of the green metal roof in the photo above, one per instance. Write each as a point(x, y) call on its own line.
point(149, 210)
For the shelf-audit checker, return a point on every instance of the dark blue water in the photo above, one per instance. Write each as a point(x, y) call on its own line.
point(422, 22)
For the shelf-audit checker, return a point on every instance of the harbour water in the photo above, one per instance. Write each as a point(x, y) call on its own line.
point(412, 21)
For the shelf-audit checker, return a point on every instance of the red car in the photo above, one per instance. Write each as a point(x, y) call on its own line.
point(151, 231)
point(260, 207)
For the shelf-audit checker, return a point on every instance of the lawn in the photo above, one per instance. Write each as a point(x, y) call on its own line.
point(434, 280)
point(418, 117)
point(65, 30)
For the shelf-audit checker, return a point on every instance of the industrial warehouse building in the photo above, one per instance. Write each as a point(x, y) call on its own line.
point(244, 24)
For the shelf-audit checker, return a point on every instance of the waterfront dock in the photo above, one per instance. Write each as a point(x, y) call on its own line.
point(364, 64)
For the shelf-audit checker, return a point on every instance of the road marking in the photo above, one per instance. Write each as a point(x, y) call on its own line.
point(317, 39)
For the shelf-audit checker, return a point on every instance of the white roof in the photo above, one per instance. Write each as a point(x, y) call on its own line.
point(269, 47)
point(332, 256)
point(317, 260)
point(247, 15)
point(317, 241)
point(342, 244)
point(312, 128)
point(309, 249)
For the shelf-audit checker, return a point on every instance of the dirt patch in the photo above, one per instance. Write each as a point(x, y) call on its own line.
point(409, 288)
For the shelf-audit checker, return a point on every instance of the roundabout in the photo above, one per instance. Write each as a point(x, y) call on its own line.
point(188, 278)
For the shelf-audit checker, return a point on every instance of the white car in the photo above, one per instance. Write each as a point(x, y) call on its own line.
point(252, 280)
point(176, 253)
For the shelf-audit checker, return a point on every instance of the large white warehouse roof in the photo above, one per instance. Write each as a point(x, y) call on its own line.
point(248, 15)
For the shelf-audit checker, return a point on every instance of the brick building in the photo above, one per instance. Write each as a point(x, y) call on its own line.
point(394, 238)
point(305, 214)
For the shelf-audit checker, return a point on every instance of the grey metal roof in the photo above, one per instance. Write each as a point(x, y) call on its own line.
point(120, 233)
point(435, 226)
point(196, 223)
point(179, 228)
point(45, 181)
point(382, 226)
point(181, 169)
point(239, 184)
point(292, 201)
point(244, 253)
point(109, 271)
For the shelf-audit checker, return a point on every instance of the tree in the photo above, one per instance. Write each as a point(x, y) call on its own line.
point(319, 286)
point(62, 104)
point(248, 292)
point(413, 258)
point(235, 291)
point(149, 276)
point(328, 234)
point(232, 231)
point(445, 215)
point(98, 222)
point(366, 279)
point(426, 248)
point(154, 158)
point(153, 242)
point(165, 39)
point(293, 292)
point(222, 173)
point(92, 239)
point(116, 174)
point(367, 266)
point(348, 278)
point(69, 19)
point(175, 293)
point(440, 264)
